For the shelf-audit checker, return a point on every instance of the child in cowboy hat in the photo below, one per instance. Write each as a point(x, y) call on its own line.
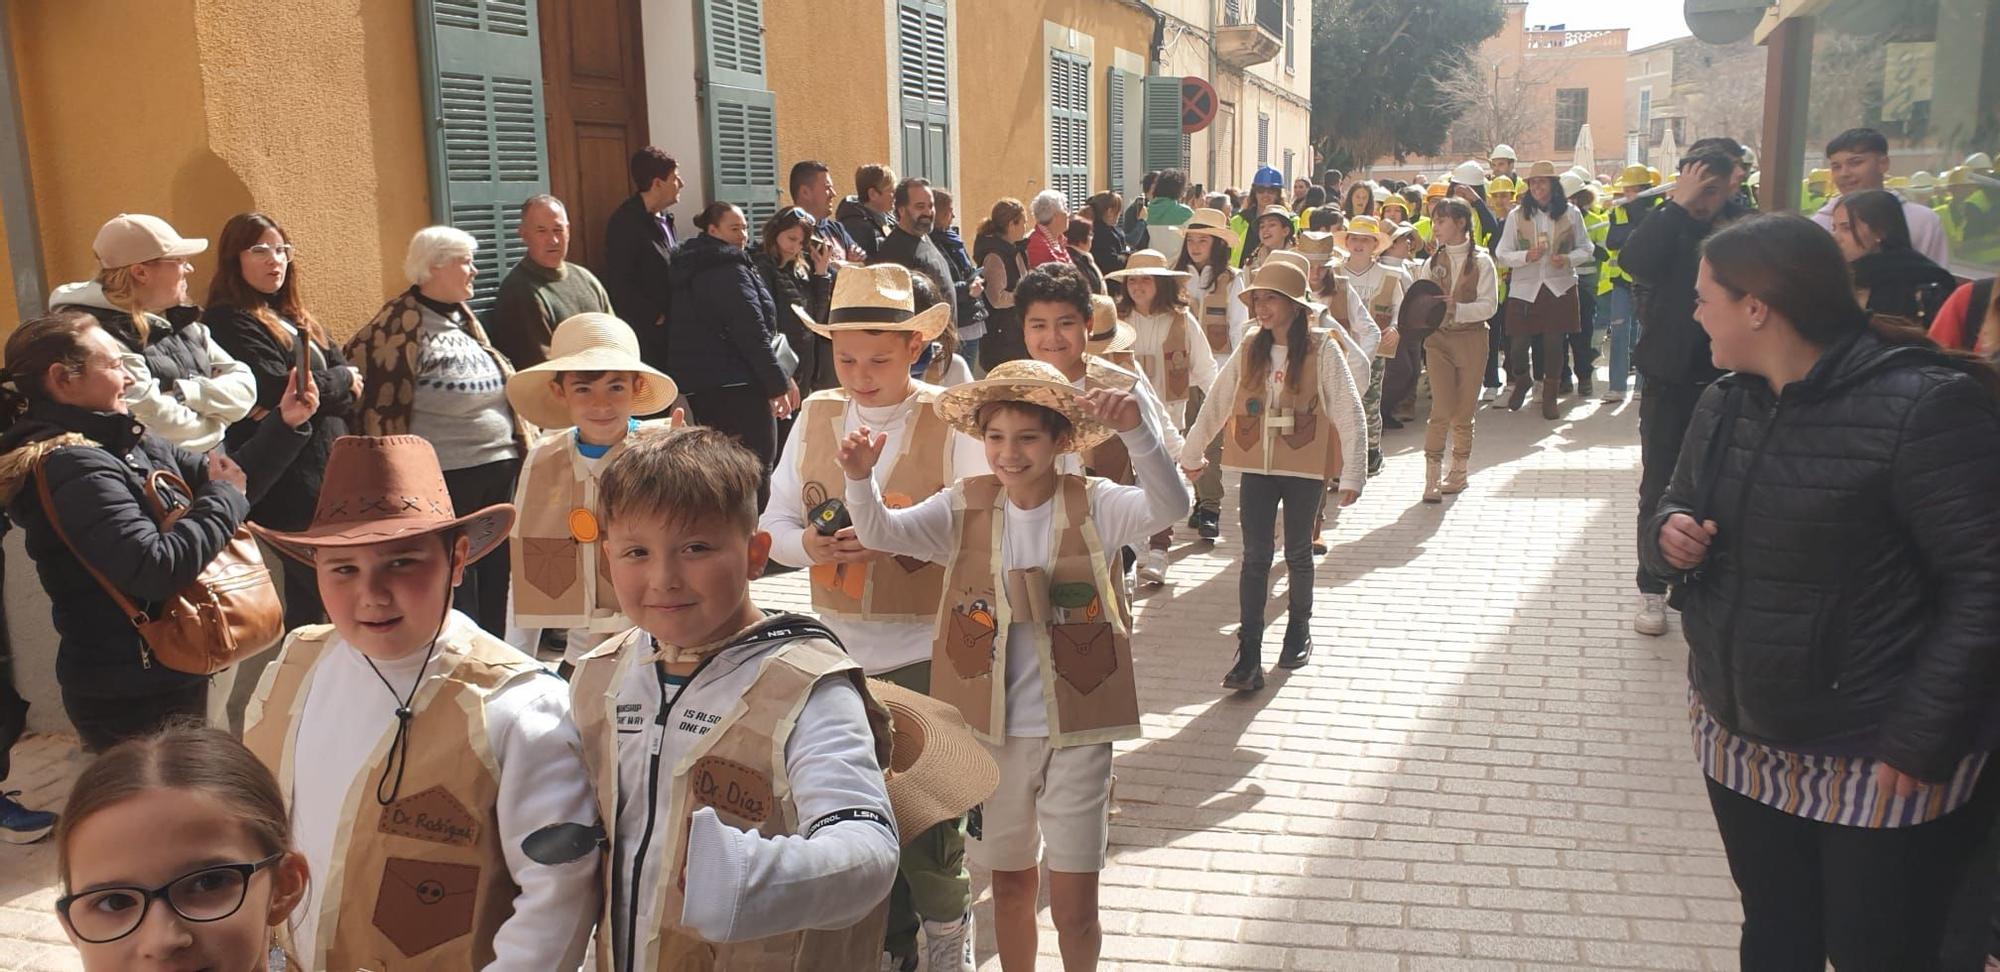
point(1172, 353)
point(1381, 288)
point(1033, 636)
point(884, 609)
point(1274, 230)
point(1294, 421)
point(737, 754)
point(1212, 286)
point(586, 395)
point(418, 752)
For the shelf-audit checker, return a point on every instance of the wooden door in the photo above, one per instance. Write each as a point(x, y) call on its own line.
point(594, 78)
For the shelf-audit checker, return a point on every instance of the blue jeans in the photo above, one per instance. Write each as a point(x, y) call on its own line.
point(1615, 312)
point(969, 350)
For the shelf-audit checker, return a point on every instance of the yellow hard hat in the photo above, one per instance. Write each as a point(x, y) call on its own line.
point(1958, 175)
point(1653, 172)
point(1435, 190)
point(1896, 182)
point(1820, 179)
point(1500, 184)
point(1632, 175)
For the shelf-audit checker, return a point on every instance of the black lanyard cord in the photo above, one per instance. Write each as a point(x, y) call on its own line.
point(399, 747)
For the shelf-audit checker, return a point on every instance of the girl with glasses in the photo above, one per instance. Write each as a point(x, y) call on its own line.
point(176, 852)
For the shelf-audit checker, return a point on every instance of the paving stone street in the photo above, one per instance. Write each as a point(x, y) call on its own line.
point(1483, 768)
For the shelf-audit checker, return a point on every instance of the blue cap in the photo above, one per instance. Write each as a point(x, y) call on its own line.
point(1267, 176)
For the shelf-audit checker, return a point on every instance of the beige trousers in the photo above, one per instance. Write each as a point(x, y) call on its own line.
point(1456, 359)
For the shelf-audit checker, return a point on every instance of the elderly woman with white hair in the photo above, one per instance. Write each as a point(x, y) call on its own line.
point(428, 370)
point(1046, 244)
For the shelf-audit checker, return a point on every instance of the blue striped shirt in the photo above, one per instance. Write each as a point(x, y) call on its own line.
point(1827, 789)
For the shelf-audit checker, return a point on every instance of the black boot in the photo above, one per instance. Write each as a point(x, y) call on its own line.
point(1298, 644)
point(1247, 675)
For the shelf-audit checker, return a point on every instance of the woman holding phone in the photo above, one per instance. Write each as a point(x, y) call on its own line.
point(796, 267)
point(257, 312)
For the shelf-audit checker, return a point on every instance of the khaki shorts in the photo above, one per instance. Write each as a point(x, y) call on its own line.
point(1057, 797)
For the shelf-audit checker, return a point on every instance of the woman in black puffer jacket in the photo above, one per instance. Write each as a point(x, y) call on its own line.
point(1834, 541)
point(1890, 276)
point(719, 345)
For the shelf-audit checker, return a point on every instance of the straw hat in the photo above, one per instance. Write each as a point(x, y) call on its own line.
point(587, 342)
point(1277, 211)
point(1293, 257)
point(877, 297)
point(1146, 263)
point(1281, 277)
point(1540, 170)
point(1213, 222)
point(937, 771)
point(1367, 226)
point(386, 488)
point(1319, 247)
point(1108, 334)
point(1022, 380)
point(1632, 175)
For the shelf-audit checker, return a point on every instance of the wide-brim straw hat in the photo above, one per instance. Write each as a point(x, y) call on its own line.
point(1540, 170)
point(937, 769)
point(1276, 211)
point(587, 342)
point(382, 488)
point(877, 297)
point(1108, 334)
point(1213, 222)
point(1281, 277)
point(1319, 246)
point(1367, 226)
point(1146, 263)
point(1022, 380)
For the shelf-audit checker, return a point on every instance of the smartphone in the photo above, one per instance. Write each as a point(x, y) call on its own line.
point(302, 345)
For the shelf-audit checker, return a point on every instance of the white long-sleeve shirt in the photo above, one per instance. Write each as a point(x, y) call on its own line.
point(1339, 402)
point(1927, 234)
point(1150, 350)
point(741, 886)
point(206, 405)
point(877, 646)
point(1123, 515)
point(1482, 306)
point(543, 781)
point(1367, 282)
point(1359, 340)
point(1198, 285)
point(1152, 413)
point(1530, 278)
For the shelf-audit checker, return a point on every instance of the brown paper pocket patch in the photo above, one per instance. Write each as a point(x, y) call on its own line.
point(1085, 654)
point(433, 815)
point(968, 641)
point(424, 904)
point(549, 564)
point(1248, 428)
point(1305, 426)
point(733, 789)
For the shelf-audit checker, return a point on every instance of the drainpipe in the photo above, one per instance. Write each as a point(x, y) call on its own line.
point(17, 186)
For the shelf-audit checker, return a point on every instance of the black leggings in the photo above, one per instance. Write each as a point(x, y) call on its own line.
point(482, 596)
point(1869, 899)
point(1258, 497)
point(744, 412)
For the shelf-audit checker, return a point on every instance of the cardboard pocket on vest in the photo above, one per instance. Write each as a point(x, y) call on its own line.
point(969, 645)
point(1085, 654)
point(424, 904)
point(549, 563)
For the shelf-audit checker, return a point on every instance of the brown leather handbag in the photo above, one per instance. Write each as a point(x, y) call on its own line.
point(229, 613)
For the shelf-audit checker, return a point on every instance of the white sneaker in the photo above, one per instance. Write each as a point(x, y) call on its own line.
point(948, 945)
point(1486, 394)
point(1614, 396)
point(1652, 616)
point(1153, 570)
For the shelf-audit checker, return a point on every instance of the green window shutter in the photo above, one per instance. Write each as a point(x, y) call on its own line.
point(738, 109)
point(481, 63)
point(1069, 125)
point(924, 88)
point(1161, 145)
point(1114, 142)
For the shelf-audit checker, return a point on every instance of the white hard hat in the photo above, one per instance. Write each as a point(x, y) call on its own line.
point(1469, 173)
point(1979, 160)
point(1922, 180)
point(1571, 183)
point(1502, 151)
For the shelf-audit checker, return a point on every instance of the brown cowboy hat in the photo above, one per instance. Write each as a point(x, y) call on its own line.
point(937, 771)
point(1423, 307)
point(382, 488)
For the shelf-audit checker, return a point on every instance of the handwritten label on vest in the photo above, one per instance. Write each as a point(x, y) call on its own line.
point(731, 788)
point(433, 815)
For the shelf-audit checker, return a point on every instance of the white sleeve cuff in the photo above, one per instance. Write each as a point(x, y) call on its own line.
point(714, 876)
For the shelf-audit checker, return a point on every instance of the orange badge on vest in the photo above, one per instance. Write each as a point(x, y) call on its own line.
point(583, 525)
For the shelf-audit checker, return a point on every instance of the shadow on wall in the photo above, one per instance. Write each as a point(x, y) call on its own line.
point(204, 194)
point(395, 103)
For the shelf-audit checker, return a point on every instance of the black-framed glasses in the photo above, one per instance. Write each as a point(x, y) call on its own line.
point(211, 894)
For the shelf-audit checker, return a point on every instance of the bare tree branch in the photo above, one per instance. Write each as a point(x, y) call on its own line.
point(1494, 106)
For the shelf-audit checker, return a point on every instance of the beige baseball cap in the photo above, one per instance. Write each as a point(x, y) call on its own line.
point(131, 238)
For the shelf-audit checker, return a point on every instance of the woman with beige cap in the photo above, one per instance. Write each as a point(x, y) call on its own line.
point(1294, 421)
point(185, 388)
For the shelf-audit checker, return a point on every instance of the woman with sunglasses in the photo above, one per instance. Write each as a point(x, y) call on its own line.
point(175, 852)
point(796, 266)
point(185, 388)
point(256, 311)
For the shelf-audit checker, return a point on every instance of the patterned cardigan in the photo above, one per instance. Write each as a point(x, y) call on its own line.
point(386, 352)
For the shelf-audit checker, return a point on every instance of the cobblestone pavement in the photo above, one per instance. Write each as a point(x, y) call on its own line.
point(1483, 768)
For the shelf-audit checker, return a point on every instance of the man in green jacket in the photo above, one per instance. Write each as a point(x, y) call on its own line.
point(544, 289)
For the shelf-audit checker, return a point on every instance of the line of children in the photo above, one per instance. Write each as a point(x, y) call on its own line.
point(1294, 421)
point(1170, 351)
point(1033, 636)
point(884, 608)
